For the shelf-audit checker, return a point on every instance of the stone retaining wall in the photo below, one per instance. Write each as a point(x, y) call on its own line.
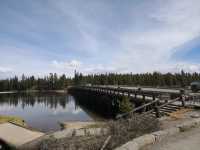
point(140, 142)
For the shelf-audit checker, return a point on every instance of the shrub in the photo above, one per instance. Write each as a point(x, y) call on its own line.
point(125, 105)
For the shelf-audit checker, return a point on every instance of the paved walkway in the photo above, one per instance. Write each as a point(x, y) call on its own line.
point(17, 135)
point(189, 140)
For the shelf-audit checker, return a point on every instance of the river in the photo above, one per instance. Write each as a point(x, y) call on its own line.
point(44, 111)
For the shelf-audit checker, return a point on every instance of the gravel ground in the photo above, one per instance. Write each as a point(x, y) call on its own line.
point(189, 140)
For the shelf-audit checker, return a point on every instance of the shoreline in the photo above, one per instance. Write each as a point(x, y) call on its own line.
point(81, 124)
point(12, 119)
point(34, 91)
point(8, 92)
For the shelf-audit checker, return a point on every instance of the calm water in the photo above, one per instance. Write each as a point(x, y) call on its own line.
point(44, 111)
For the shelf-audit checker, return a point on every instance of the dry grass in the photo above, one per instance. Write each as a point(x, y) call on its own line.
point(179, 114)
point(13, 119)
point(121, 131)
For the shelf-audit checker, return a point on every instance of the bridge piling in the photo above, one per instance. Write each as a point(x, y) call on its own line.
point(157, 110)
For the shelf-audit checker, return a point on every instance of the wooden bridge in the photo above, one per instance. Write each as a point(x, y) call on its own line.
point(157, 102)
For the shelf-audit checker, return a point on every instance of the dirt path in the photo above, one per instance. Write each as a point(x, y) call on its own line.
point(189, 140)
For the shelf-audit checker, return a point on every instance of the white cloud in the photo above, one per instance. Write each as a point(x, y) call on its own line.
point(149, 41)
point(73, 64)
point(65, 66)
point(99, 68)
point(173, 24)
point(105, 36)
point(5, 69)
point(187, 67)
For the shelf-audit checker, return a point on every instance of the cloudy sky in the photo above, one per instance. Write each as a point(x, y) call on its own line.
point(42, 36)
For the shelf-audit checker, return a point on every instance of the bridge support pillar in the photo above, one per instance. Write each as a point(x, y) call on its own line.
point(143, 97)
point(157, 110)
point(128, 94)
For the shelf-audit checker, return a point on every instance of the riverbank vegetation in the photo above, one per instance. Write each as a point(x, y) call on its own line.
point(118, 133)
point(125, 105)
point(56, 82)
point(12, 119)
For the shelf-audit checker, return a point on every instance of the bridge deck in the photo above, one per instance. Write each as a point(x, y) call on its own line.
point(161, 90)
point(125, 89)
point(16, 135)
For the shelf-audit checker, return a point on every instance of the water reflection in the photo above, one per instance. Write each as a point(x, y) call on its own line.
point(27, 99)
point(43, 110)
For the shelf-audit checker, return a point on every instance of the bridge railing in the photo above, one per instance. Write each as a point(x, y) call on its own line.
point(156, 107)
point(137, 109)
point(122, 91)
point(193, 100)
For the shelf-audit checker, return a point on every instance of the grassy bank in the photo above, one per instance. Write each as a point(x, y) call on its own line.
point(13, 119)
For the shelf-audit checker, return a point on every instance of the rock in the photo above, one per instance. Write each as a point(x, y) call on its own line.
point(195, 115)
point(138, 143)
point(145, 140)
point(187, 125)
point(159, 135)
point(129, 146)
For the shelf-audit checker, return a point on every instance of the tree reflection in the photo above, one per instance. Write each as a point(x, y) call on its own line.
point(30, 99)
point(53, 101)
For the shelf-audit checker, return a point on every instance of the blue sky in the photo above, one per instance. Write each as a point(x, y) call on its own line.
point(96, 36)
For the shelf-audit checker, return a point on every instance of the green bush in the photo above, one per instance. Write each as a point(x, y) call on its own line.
point(125, 105)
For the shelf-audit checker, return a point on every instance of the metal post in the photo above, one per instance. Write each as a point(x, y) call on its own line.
point(183, 100)
point(182, 97)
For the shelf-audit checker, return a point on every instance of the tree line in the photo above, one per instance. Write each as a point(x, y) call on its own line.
point(50, 82)
point(55, 82)
point(181, 79)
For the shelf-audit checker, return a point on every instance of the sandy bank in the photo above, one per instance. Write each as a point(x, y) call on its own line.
point(80, 125)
